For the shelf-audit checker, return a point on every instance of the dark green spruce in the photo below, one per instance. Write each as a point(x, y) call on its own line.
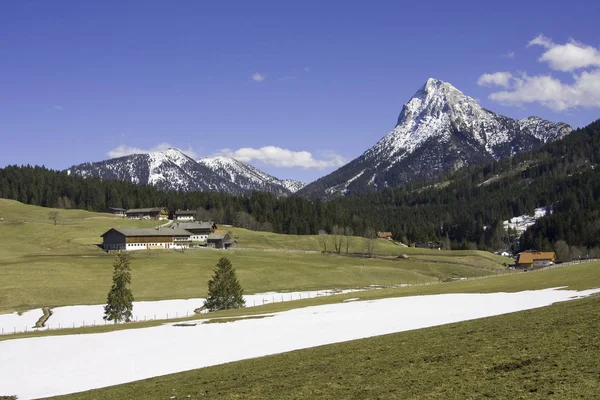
point(119, 304)
point(224, 289)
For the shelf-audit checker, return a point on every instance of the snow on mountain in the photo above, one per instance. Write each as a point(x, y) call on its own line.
point(292, 185)
point(173, 170)
point(244, 175)
point(522, 222)
point(439, 129)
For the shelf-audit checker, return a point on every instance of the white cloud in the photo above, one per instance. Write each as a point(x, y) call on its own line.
point(541, 40)
point(58, 107)
point(549, 91)
point(552, 93)
point(257, 77)
point(510, 54)
point(306, 69)
point(124, 150)
point(496, 79)
point(566, 57)
point(283, 157)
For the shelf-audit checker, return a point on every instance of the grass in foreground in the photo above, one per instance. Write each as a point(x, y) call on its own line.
point(550, 352)
point(575, 277)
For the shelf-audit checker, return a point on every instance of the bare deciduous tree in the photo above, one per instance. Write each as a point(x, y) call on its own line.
point(370, 235)
point(338, 238)
point(323, 239)
point(53, 216)
point(349, 233)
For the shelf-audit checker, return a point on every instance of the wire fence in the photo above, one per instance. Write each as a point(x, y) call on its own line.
point(95, 312)
point(96, 319)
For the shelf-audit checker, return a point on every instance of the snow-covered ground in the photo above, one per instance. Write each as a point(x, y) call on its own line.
point(90, 315)
point(522, 222)
point(54, 365)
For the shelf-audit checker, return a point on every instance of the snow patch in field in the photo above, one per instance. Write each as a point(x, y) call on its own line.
point(92, 315)
point(83, 362)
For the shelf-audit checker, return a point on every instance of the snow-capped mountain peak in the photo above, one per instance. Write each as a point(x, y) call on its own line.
point(438, 129)
point(172, 169)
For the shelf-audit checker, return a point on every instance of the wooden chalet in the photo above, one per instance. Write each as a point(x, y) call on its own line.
point(199, 230)
point(384, 235)
point(116, 211)
point(221, 240)
point(532, 259)
point(147, 213)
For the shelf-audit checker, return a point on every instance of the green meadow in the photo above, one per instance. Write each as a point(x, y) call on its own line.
point(48, 265)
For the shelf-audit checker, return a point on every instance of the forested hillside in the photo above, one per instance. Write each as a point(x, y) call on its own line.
point(462, 210)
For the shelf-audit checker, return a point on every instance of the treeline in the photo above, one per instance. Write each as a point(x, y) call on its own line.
point(463, 210)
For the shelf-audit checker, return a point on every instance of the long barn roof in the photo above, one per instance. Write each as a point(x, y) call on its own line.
point(131, 232)
point(144, 210)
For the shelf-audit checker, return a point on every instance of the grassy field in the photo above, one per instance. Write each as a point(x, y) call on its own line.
point(62, 264)
point(575, 277)
point(550, 352)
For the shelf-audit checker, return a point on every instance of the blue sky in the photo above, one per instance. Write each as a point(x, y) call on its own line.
point(315, 84)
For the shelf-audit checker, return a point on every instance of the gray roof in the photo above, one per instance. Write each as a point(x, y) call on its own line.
point(185, 212)
point(217, 236)
point(115, 209)
point(194, 225)
point(144, 210)
point(149, 232)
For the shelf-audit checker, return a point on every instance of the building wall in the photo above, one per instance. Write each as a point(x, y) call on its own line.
point(199, 238)
point(156, 246)
point(113, 240)
point(541, 263)
point(184, 217)
point(149, 239)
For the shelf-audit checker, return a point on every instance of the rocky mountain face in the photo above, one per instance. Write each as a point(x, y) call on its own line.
point(173, 170)
point(248, 177)
point(440, 129)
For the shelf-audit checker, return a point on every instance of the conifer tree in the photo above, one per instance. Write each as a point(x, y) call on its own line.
point(224, 289)
point(120, 299)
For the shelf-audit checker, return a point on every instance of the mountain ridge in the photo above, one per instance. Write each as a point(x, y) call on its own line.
point(439, 129)
point(173, 170)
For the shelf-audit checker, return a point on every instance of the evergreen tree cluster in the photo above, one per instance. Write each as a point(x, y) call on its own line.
point(462, 210)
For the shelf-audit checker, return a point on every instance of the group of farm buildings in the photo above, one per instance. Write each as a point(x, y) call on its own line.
point(184, 232)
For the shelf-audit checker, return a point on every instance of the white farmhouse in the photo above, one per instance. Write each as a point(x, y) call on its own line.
point(184, 215)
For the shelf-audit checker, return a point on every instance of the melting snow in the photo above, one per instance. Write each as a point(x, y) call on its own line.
point(522, 222)
point(83, 362)
point(91, 315)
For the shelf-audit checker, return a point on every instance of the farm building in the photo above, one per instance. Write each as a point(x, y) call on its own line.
point(384, 235)
point(535, 259)
point(428, 245)
point(184, 215)
point(147, 213)
point(221, 240)
point(145, 239)
point(116, 211)
point(198, 230)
